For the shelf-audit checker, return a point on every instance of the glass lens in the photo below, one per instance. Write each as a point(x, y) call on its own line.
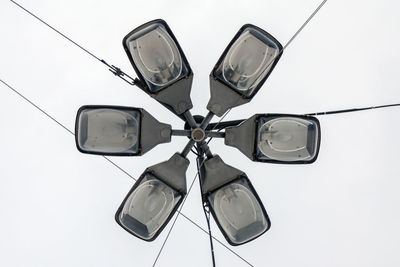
point(106, 130)
point(148, 207)
point(238, 212)
point(156, 56)
point(248, 61)
point(287, 139)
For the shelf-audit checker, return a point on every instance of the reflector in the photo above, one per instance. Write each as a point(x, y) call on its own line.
point(160, 64)
point(233, 202)
point(148, 206)
point(243, 68)
point(154, 198)
point(248, 61)
point(109, 130)
point(156, 56)
point(118, 131)
point(238, 211)
point(277, 138)
point(287, 139)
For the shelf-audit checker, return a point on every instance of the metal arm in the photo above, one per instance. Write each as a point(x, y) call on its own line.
point(223, 125)
point(188, 133)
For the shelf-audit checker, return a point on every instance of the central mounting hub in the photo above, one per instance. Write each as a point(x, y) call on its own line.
point(198, 134)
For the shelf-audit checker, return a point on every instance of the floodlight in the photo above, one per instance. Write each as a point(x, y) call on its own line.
point(243, 68)
point(160, 64)
point(233, 202)
point(277, 138)
point(154, 198)
point(118, 131)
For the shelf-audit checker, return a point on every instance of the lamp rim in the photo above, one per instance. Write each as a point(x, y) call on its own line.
point(137, 183)
point(235, 38)
point(120, 108)
point(253, 191)
point(185, 62)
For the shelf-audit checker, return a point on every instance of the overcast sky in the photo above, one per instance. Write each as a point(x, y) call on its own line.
point(57, 205)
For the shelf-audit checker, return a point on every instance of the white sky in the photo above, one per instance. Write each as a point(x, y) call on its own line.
point(57, 205)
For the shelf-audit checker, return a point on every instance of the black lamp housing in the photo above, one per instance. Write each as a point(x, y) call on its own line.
point(243, 68)
point(233, 202)
point(160, 64)
point(277, 138)
point(118, 131)
point(154, 198)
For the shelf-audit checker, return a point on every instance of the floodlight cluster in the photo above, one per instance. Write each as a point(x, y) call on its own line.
point(165, 74)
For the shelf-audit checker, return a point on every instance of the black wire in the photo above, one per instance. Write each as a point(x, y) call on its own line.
point(209, 140)
point(349, 110)
point(207, 214)
point(205, 205)
point(115, 70)
point(176, 218)
point(57, 31)
point(194, 152)
point(59, 123)
point(222, 244)
point(113, 163)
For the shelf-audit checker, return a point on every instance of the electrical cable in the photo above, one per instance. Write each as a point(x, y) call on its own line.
point(283, 49)
point(176, 218)
point(119, 73)
point(110, 161)
point(350, 110)
point(115, 70)
point(186, 150)
point(205, 203)
point(112, 68)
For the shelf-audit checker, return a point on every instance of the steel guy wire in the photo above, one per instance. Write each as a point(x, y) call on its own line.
point(283, 49)
point(119, 73)
point(113, 69)
point(106, 158)
point(226, 113)
point(173, 224)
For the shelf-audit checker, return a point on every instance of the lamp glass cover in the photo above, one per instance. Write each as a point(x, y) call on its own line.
point(148, 207)
point(106, 130)
point(156, 56)
point(239, 213)
point(248, 61)
point(287, 139)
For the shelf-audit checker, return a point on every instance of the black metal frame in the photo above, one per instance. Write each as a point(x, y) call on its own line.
point(305, 117)
point(205, 198)
point(222, 57)
point(109, 107)
point(137, 183)
point(143, 84)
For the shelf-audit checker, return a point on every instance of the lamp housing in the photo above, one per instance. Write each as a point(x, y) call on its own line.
point(160, 64)
point(154, 198)
point(243, 68)
point(277, 138)
point(233, 202)
point(118, 131)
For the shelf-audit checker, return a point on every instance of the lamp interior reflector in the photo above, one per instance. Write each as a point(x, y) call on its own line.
point(287, 139)
point(249, 61)
point(156, 56)
point(109, 130)
point(239, 213)
point(148, 207)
